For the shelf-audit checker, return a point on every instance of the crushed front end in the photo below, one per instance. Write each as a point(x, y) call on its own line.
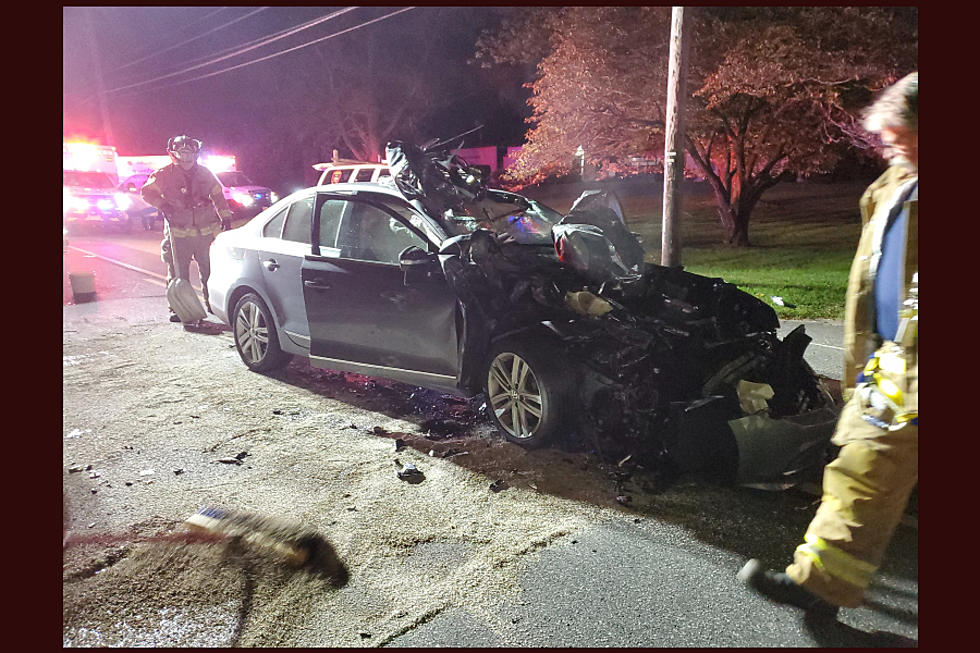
point(677, 371)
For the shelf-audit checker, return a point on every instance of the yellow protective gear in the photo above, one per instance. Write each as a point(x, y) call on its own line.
point(865, 491)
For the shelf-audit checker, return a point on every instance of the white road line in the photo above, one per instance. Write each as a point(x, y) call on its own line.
point(817, 344)
point(157, 279)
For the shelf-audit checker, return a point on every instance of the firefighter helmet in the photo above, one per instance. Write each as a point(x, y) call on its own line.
point(183, 148)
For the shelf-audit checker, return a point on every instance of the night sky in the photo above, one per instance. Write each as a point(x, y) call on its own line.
point(237, 111)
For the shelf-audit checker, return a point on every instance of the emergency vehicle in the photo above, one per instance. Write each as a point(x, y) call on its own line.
point(89, 179)
point(244, 198)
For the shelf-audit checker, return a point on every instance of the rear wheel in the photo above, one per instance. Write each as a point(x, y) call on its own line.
point(255, 335)
point(528, 389)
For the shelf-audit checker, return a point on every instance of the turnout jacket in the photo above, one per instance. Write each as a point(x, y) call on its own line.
point(860, 339)
point(188, 199)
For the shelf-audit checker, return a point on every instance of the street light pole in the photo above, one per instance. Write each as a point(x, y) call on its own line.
point(99, 85)
point(670, 249)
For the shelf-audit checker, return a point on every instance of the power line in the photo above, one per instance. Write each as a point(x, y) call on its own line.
point(262, 40)
point(193, 38)
point(243, 50)
point(275, 54)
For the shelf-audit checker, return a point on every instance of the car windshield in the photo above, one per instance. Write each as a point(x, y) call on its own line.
point(528, 221)
point(86, 179)
point(234, 179)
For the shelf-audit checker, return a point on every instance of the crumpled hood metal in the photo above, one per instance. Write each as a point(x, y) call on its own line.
point(661, 350)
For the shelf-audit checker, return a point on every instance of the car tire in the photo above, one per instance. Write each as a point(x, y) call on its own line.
point(528, 387)
point(255, 335)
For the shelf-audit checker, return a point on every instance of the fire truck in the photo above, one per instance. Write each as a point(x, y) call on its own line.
point(89, 183)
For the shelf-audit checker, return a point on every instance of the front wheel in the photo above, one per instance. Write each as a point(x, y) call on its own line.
point(255, 335)
point(527, 384)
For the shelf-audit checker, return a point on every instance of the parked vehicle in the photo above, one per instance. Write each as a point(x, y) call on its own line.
point(139, 211)
point(92, 198)
point(437, 281)
point(245, 199)
point(344, 171)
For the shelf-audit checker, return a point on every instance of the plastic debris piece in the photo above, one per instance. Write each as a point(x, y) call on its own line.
point(753, 397)
point(587, 303)
point(779, 301)
point(409, 473)
point(230, 461)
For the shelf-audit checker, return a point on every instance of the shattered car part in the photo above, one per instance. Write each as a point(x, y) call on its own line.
point(661, 353)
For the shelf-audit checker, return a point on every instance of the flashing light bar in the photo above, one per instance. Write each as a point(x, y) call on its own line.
point(219, 162)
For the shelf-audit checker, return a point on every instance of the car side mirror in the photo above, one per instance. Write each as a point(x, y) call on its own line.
point(415, 262)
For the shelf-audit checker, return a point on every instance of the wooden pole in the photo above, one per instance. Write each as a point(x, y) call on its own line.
point(107, 135)
point(670, 247)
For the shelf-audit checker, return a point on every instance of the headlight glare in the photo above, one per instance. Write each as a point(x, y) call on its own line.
point(243, 198)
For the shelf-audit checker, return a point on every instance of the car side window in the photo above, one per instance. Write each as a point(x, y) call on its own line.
point(298, 221)
point(330, 214)
point(364, 174)
point(370, 234)
point(338, 176)
point(273, 228)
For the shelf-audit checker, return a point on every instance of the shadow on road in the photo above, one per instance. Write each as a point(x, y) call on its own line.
point(830, 633)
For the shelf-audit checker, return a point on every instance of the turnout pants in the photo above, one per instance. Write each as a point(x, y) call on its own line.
point(197, 248)
point(865, 492)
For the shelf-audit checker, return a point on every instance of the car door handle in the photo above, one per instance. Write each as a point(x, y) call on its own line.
point(316, 285)
point(270, 264)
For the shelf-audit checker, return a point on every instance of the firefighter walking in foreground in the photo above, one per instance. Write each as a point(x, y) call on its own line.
point(867, 487)
point(194, 208)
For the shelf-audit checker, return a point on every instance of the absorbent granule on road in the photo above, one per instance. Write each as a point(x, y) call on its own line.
point(144, 395)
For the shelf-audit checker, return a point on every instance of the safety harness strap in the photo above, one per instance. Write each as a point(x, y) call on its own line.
point(837, 563)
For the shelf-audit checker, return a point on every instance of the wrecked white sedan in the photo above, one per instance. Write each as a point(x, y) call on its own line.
point(437, 281)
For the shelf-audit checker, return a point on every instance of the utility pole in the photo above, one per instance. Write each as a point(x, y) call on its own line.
point(670, 249)
point(99, 85)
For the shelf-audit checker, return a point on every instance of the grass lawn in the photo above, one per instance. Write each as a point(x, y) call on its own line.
point(803, 239)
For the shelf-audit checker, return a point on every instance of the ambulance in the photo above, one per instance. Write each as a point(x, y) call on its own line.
point(89, 186)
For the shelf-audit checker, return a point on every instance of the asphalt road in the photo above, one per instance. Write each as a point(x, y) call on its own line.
point(662, 576)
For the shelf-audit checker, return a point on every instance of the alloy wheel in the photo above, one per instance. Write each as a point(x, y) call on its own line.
point(252, 332)
point(515, 396)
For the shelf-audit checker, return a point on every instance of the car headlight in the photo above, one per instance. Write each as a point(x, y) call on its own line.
point(243, 198)
point(77, 203)
point(123, 201)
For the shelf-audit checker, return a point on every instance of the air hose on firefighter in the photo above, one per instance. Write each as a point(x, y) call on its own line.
point(883, 383)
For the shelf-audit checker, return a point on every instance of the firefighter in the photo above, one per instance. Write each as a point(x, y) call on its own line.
point(867, 487)
point(194, 208)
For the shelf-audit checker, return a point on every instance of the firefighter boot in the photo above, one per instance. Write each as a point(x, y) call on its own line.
point(780, 588)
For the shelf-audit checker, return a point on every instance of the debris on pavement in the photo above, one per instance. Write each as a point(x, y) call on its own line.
point(499, 486)
point(229, 461)
point(409, 472)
